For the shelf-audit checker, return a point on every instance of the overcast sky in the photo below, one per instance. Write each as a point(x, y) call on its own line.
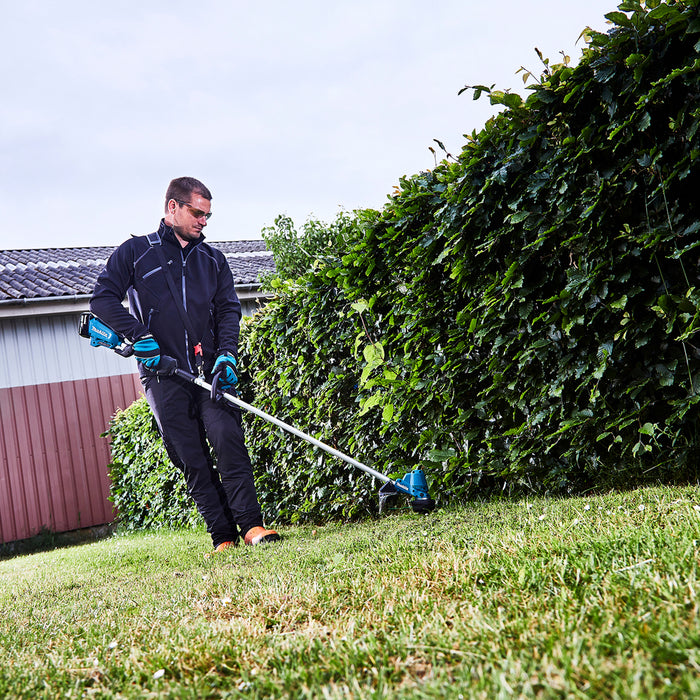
point(303, 108)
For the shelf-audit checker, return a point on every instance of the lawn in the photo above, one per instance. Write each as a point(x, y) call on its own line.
point(571, 598)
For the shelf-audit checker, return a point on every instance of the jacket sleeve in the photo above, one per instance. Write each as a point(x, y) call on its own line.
point(227, 310)
point(110, 290)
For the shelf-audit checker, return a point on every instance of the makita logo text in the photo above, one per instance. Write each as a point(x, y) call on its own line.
point(99, 331)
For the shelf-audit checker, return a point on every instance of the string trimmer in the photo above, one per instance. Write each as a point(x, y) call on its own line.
point(413, 484)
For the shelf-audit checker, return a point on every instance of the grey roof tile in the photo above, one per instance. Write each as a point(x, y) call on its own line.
point(56, 272)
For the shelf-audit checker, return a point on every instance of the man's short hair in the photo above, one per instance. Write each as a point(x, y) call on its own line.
point(181, 188)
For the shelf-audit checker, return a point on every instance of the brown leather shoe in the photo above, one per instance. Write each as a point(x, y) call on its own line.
point(259, 535)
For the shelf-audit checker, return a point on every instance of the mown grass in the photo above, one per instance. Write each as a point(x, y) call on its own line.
point(579, 598)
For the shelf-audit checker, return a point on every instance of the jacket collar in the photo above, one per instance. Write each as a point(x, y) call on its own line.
point(166, 233)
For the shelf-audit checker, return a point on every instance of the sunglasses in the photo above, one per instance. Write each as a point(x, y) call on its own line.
point(197, 213)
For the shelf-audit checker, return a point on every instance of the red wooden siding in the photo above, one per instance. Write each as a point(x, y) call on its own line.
point(53, 462)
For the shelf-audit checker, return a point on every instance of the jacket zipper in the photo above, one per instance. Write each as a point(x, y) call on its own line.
point(184, 306)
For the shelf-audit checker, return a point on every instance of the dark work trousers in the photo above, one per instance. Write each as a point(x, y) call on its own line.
point(186, 416)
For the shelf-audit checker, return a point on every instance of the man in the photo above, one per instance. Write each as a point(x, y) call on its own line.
point(195, 319)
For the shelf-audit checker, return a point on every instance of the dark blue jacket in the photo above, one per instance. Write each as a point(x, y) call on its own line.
point(208, 294)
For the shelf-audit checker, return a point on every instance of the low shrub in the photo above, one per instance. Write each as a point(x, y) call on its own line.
point(147, 490)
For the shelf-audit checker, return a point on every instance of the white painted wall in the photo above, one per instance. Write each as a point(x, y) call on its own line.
point(45, 349)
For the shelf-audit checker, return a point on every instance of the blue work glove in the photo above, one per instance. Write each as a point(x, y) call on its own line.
point(226, 364)
point(147, 351)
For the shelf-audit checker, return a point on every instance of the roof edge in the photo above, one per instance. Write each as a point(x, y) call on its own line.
point(43, 306)
point(69, 304)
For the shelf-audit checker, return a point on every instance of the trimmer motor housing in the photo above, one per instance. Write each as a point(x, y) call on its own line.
point(101, 335)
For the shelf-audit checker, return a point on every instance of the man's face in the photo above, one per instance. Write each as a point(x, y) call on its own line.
point(188, 217)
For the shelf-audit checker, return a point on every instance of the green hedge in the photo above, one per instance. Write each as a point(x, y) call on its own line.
point(521, 318)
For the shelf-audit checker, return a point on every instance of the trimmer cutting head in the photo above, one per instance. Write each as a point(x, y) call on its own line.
point(411, 484)
point(423, 505)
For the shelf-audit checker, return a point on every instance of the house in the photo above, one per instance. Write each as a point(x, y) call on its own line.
point(57, 393)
